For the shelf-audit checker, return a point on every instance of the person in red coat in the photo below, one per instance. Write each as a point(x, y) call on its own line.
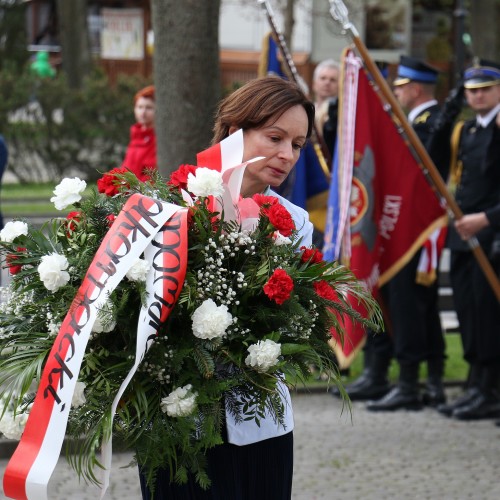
point(141, 151)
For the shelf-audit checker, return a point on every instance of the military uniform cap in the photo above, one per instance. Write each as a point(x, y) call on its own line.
point(482, 73)
point(414, 70)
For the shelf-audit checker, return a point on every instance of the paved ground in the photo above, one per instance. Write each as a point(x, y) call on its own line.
point(371, 456)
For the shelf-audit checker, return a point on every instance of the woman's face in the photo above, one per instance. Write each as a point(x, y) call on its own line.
point(280, 142)
point(144, 111)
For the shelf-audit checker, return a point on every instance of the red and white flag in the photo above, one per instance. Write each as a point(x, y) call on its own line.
point(393, 209)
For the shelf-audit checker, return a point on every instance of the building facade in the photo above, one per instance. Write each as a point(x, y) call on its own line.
point(122, 39)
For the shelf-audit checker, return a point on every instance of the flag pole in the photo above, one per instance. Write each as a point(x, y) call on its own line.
point(319, 145)
point(340, 14)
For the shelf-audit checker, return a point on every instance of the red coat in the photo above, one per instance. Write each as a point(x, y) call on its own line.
point(141, 151)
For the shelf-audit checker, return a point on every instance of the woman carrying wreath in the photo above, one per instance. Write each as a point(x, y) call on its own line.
point(255, 462)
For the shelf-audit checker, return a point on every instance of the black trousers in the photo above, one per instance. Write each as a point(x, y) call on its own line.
point(259, 471)
point(381, 344)
point(477, 309)
point(414, 316)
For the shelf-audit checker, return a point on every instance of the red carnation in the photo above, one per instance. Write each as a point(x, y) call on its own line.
point(180, 176)
point(323, 289)
point(110, 218)
point(108, 184)
point(280, 218)
point(279, 286)
point(72, 218)
point(264, 201)
point(312, 255)
point(11, 258)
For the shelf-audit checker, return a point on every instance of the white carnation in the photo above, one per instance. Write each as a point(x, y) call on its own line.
point(12, 230)
point(206, 182)
point(139, 270)
point(79, 395)
point(68, 192)
point(279, 239)
point(211, 321)
point(180, 402)
point(52, 271)
point(105, 320)
point(12, 426)
point(263, 355)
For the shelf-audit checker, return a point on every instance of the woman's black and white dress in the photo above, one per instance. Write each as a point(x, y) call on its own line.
point(255, 462)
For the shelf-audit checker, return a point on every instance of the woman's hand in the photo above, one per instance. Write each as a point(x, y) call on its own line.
point(471, 224)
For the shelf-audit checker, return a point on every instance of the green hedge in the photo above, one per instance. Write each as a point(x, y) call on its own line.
point(53, 131)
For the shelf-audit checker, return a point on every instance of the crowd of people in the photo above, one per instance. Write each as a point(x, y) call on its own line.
point(415, 336)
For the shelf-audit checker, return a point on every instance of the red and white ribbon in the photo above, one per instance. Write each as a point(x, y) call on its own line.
point(226, 157)
point(430, 254)
point(29, 470)
point(167, 255)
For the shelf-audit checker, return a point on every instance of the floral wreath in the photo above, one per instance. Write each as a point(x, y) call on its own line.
point(256, 309)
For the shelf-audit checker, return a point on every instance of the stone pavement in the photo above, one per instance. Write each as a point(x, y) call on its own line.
point(363, 455)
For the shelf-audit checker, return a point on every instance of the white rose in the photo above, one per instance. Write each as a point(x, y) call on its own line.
point(52, 271)
point(68, 192)
point(279, 239)
point(12, 230)
point(79, 395)
point(206, 182)
point(263, 355)
point(139, 270)
point(211, 321)
point(180, 402)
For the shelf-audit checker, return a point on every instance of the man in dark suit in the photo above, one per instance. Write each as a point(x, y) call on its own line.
point(476, 175)
point(413, 307)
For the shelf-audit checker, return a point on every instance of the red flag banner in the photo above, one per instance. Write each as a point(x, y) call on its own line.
point(393, 208)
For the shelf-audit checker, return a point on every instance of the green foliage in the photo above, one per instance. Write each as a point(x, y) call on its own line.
point(54, 131)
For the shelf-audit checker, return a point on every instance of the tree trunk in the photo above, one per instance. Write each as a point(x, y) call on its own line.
point(186, 76)
point(13, 46)
point(75, 44)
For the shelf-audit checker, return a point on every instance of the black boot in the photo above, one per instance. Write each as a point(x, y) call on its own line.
point(434, 394)
point(472, 391)
point(487, 403)
point(404, 396)
point(375, 384)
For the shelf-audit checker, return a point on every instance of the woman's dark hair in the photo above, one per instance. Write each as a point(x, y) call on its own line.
point(257, 102)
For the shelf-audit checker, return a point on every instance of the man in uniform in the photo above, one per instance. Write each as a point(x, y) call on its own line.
point(325, 87)
point(413, 307)
point(477, 178)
